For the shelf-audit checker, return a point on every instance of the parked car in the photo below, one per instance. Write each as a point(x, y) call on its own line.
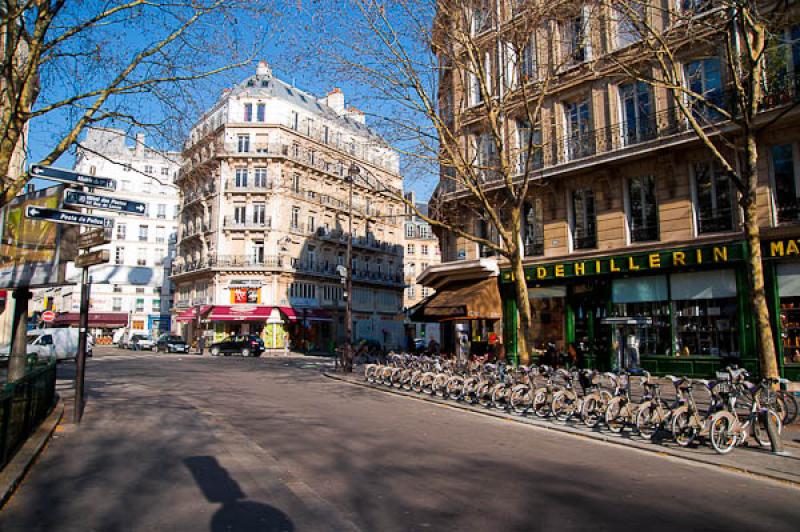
point(125, 341)
point(169, 343)
point(58, 343)
point(141, 342)
point(245, 345)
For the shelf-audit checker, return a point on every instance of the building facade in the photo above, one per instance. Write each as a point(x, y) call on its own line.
point(421, 251)
point(264, 221)
point(133, 290)
point(635, 237)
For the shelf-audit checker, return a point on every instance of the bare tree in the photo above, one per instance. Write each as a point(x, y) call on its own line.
point(461, 95)
point(70, 65)
point(746, 40)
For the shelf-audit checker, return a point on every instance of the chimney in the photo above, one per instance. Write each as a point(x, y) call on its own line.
point(357, 115)
point(139, 145)
point(335, 100)
point(263, 70)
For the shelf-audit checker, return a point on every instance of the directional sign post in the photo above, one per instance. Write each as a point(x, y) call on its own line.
point(72, 178)
point(82, 199)
point(92, 258)
point(94, 237)
point(66, 217)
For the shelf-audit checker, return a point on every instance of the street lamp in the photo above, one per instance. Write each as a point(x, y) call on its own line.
point(347, 364)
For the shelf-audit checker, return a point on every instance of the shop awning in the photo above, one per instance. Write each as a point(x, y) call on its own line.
point(191, 313)
point(316, 314)
point(465, 300)
point(239, 313)
point(289, 312)
point(97, 320)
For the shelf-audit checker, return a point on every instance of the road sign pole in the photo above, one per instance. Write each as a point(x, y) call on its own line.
point(83, 326)
point(18, 356)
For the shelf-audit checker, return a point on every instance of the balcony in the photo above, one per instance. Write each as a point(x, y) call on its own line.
point(248, 186)
point(534, 247)
point(247, 224)
point(788, 209)
point(645, 233)
point(584, 241)
point(718, 222)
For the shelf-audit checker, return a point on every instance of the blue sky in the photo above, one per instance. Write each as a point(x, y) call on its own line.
point(286, 41)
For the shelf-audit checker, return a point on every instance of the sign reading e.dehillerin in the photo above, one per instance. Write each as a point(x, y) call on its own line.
point(717, 254)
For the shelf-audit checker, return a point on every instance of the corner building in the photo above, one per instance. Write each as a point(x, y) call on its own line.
point(638, 233)
point(264, 220)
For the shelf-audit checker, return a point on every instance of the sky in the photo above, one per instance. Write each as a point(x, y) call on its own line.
point(285, 39)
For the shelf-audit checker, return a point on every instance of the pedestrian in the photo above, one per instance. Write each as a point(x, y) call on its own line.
point(285, 343)
point(201, 344)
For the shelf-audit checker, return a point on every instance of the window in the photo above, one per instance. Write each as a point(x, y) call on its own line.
point(312, 224)
point(164, 171)
point(642, 209)
point(326, 134)
point(140, 290)
point(121, 231)
point(156, 306)
point(309, 126)
point(295, 121)
point(176, 209)
point(239, 214)
point(425, 291)
point(260, 177)
point(529, 141)
point(786, 179)
point(241, 178)
point(259, 214)
point(148, 169)
point(119, 255)
point(533, 229)
point(248, 112)
point(477, 79)
point(243, 143)
point(578, 120)
point(714, 199)
point(638, 122)
point(296, 183)
point(141, 257)
point(116, 304)
point(117, 289)
point(160, 234)
point(143, 229)
point(161, 211)
point(411, 291)
point(529, 65)
point(584, 221)
point(481, 16)
point(410, 249)
point(782, 67)
point(295, 221)
point(409, 230)
point(627, 23)
point(574, 44)
point(486, 152)
point(424, 249)
point(261, 111)
point(703, 78)
point(257, 252)
point(411, 269)
point(139, 304)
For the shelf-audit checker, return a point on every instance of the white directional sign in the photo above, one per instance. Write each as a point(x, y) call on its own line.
point(72, 178)
point(74, 197)
point(66, 217)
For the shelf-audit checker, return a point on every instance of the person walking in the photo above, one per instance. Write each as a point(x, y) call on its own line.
point(201, 344)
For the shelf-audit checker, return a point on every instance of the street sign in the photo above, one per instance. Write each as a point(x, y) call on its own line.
point(101, 256)
point(48, 316)
point(106, 203)
point(66, 217)
point(94, 237)
point(72, 178)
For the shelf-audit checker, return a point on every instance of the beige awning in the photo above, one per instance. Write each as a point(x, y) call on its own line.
point(469, 301)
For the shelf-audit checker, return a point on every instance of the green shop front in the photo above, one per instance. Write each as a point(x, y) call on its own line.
point(681, 310)
point(782, 278)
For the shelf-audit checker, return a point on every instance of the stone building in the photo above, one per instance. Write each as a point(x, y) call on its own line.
point(635, 236)
point(264, 220)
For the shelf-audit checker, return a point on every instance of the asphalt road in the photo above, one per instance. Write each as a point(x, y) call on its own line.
point(183, 443)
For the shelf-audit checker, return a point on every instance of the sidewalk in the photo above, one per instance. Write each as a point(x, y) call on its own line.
point(750, 460)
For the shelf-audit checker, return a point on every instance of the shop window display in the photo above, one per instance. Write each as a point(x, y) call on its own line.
point(706, 327)
point(790, 329)
point(653, 339)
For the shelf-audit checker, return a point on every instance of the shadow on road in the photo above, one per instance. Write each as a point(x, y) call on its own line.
point(236, 514)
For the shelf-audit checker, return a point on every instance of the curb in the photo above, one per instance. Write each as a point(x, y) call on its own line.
point(590, 435)
point(15, 470)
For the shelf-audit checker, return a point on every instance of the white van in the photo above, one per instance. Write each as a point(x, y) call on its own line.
point(59, 343)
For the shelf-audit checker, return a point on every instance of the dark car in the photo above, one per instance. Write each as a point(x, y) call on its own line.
point(169, 343)
point(247, 346)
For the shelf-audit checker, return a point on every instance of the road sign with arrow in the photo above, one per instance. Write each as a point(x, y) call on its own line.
point(72, 178)
point(66, 217)
point(82, 199)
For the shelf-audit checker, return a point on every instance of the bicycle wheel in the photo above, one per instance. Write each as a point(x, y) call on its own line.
point(562, 406)
point(648, 419)
point(541, 406)
point(682, 429)
point(791, 407)
point(416, 381)
point(427, 383)
point(593, 410)
point(615, 415)
point(723, 432)
point(484, 395)
point(500, 396)
point(760, 431)
point(520, 400)
point(455, 387)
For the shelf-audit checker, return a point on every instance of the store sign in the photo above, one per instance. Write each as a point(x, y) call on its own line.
point(245, 296)
point(654, 261)
point(245, 283)
point(776, 249)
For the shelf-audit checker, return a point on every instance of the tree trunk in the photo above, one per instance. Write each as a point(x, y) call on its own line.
point(765, 343)
point(524, 329)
